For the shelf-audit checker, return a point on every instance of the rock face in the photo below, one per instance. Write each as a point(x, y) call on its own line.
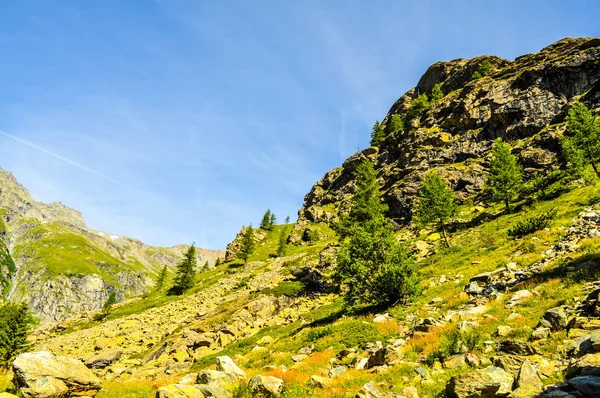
point(42, 374)
point(516, 100)
point(50, 259)
point(484, 383)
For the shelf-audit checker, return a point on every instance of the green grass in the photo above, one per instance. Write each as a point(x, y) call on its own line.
point(290, 289)
point(61, 251)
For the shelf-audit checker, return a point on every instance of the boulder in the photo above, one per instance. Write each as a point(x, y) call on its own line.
point(187, 391)
point(43, 374)
point(337, 371)
point(516, 347)
point(216, 378)
point(587, 365)
point(482, 383)
point(320, 382)
point(377, 358)
point(369, 391)
point(555, 319)
point(508, 363)
point(105, 358)
point(265, 386)
point(528, 378)
point(226, 364)
point(588, 386)
point(518, 297)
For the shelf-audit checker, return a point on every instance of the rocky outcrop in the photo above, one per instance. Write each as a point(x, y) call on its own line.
point(520, 101)
point(235, 245)
point(45, 375)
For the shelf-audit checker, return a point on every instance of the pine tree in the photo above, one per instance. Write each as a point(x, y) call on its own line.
point(397, 123)
point(218, 262)
point(281, 248)
point(272, 221)
point(186, 272)
point(505, 177)
point(206, 266)
point(287, 220)
point(436, 93)
point(266, 221)
point(436, 203)
point(110, 301)
point(417, 107)
point(373, 267)
point(581, 142)
point(16, 322)
point(160, 281)
point(247, 244)
point(377, 135)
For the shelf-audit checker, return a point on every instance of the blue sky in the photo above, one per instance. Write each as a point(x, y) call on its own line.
point(177, 121)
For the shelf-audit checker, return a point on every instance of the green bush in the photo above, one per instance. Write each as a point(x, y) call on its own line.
point(16, 323)
point(318, 333)
point(349, 333)
point(449, 345)
point(532, 224)
point(472, 339)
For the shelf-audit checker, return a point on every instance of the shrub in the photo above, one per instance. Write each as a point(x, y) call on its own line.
point(418, 106)
point(318, 333)
point(483, 69)
point(532, 224)
point(472, 338)
point(16, 323)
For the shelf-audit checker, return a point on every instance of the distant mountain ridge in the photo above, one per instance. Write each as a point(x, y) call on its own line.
point(50, 258)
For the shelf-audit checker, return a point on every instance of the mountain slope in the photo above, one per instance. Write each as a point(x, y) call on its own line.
point(60, 267)
point(523, 102)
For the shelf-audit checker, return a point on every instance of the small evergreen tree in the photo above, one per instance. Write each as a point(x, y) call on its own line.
point(218, 262)
point(282, 246)
point(397, 123)
point(110, 301)
point(436, 203)
point(186, 272)
point(247, 245)
point(374, 268)
point(482, 70)
point(16, 322)
point(581, 142)
point(377, 134)
point(272, 221)
point(206, 266)
point(287, 220)
point(266, 221)
point(417, 107)
point(505, 177)
point(436, 93)
point(160, 281)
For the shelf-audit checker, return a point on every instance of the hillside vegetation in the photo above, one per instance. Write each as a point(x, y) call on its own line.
point(478, 199)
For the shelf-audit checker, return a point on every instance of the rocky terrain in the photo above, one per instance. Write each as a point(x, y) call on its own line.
point(51, 260)
point(497, 316)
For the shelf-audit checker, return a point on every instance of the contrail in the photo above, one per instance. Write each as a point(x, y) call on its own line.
point(57, 156)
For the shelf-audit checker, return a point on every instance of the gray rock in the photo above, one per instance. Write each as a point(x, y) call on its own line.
point(45, 375)
point(369, 391)
point(337, 371)
point(216, 378)
point(103, 359)
point(555, 318)
point(589, 386)
point(265, 386)
point(528, 378)
point(516, 347)
point(482, 383)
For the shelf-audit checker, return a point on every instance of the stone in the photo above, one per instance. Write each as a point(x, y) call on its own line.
point(381, 318)
point(540, 334)
point(455, 362)
point(217, 378)
point(337, 371)
point(518, 297)
point(105, 358)
point(589, 386)
point(555, 319)
point(361, 364)
point(178, 391)
point(473, 289)
point(509, 363)
point(212, 392)
point(410, 392)
point(43, 374)
point(377, 358)
point(511, 266)
point(587, 365)
point(482, 383)
point(369, 391)
point(503, 330)
point(320, 382)
point(516, 347)
point(265, 386)
point(595, 340)
point(528, 378)
point(225, 364)
point(189, 379)
point(7, 395)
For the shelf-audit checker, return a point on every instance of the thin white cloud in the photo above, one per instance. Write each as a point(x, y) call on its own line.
point(57, 156)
